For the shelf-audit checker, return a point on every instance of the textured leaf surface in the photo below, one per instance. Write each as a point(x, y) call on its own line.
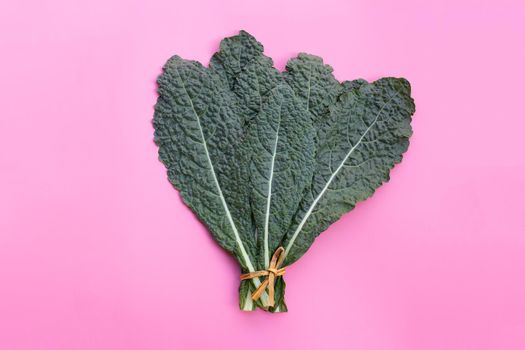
point(242, 65)
point(235, 53)
point(368, 132)
point(313, 83)
point(280, 146)
point(268, 159)
point(197, 128)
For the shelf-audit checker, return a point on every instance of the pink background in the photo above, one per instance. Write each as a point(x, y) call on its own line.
point(98, 252)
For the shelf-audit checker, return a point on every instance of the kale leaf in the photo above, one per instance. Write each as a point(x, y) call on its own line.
point(268, 159)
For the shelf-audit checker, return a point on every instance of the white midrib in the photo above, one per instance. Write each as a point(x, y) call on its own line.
point(245, 256)
point(334, 174)
point(238, 240)
point(269, 195)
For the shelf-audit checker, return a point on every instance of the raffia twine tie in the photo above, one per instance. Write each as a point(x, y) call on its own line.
point(272, 272)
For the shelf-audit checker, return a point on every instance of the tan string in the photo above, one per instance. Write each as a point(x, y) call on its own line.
point(272, 272)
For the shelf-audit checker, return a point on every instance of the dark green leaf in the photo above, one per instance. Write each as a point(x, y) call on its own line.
point(267, 158)
point(197, 129)
point(313, 83)
point(280, 146)
point(241, 64)
point(369, 131)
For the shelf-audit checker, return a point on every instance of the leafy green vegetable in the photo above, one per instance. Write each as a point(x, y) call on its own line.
point(366, 134)
point(281, 149)
point(313, 83)
point(197, 130)
point(268, 159)
point(250, 74)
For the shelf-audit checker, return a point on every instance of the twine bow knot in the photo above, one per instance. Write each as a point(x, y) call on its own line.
point(273, 271)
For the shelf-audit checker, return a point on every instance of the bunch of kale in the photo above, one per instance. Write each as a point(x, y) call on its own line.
point(267, 158)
